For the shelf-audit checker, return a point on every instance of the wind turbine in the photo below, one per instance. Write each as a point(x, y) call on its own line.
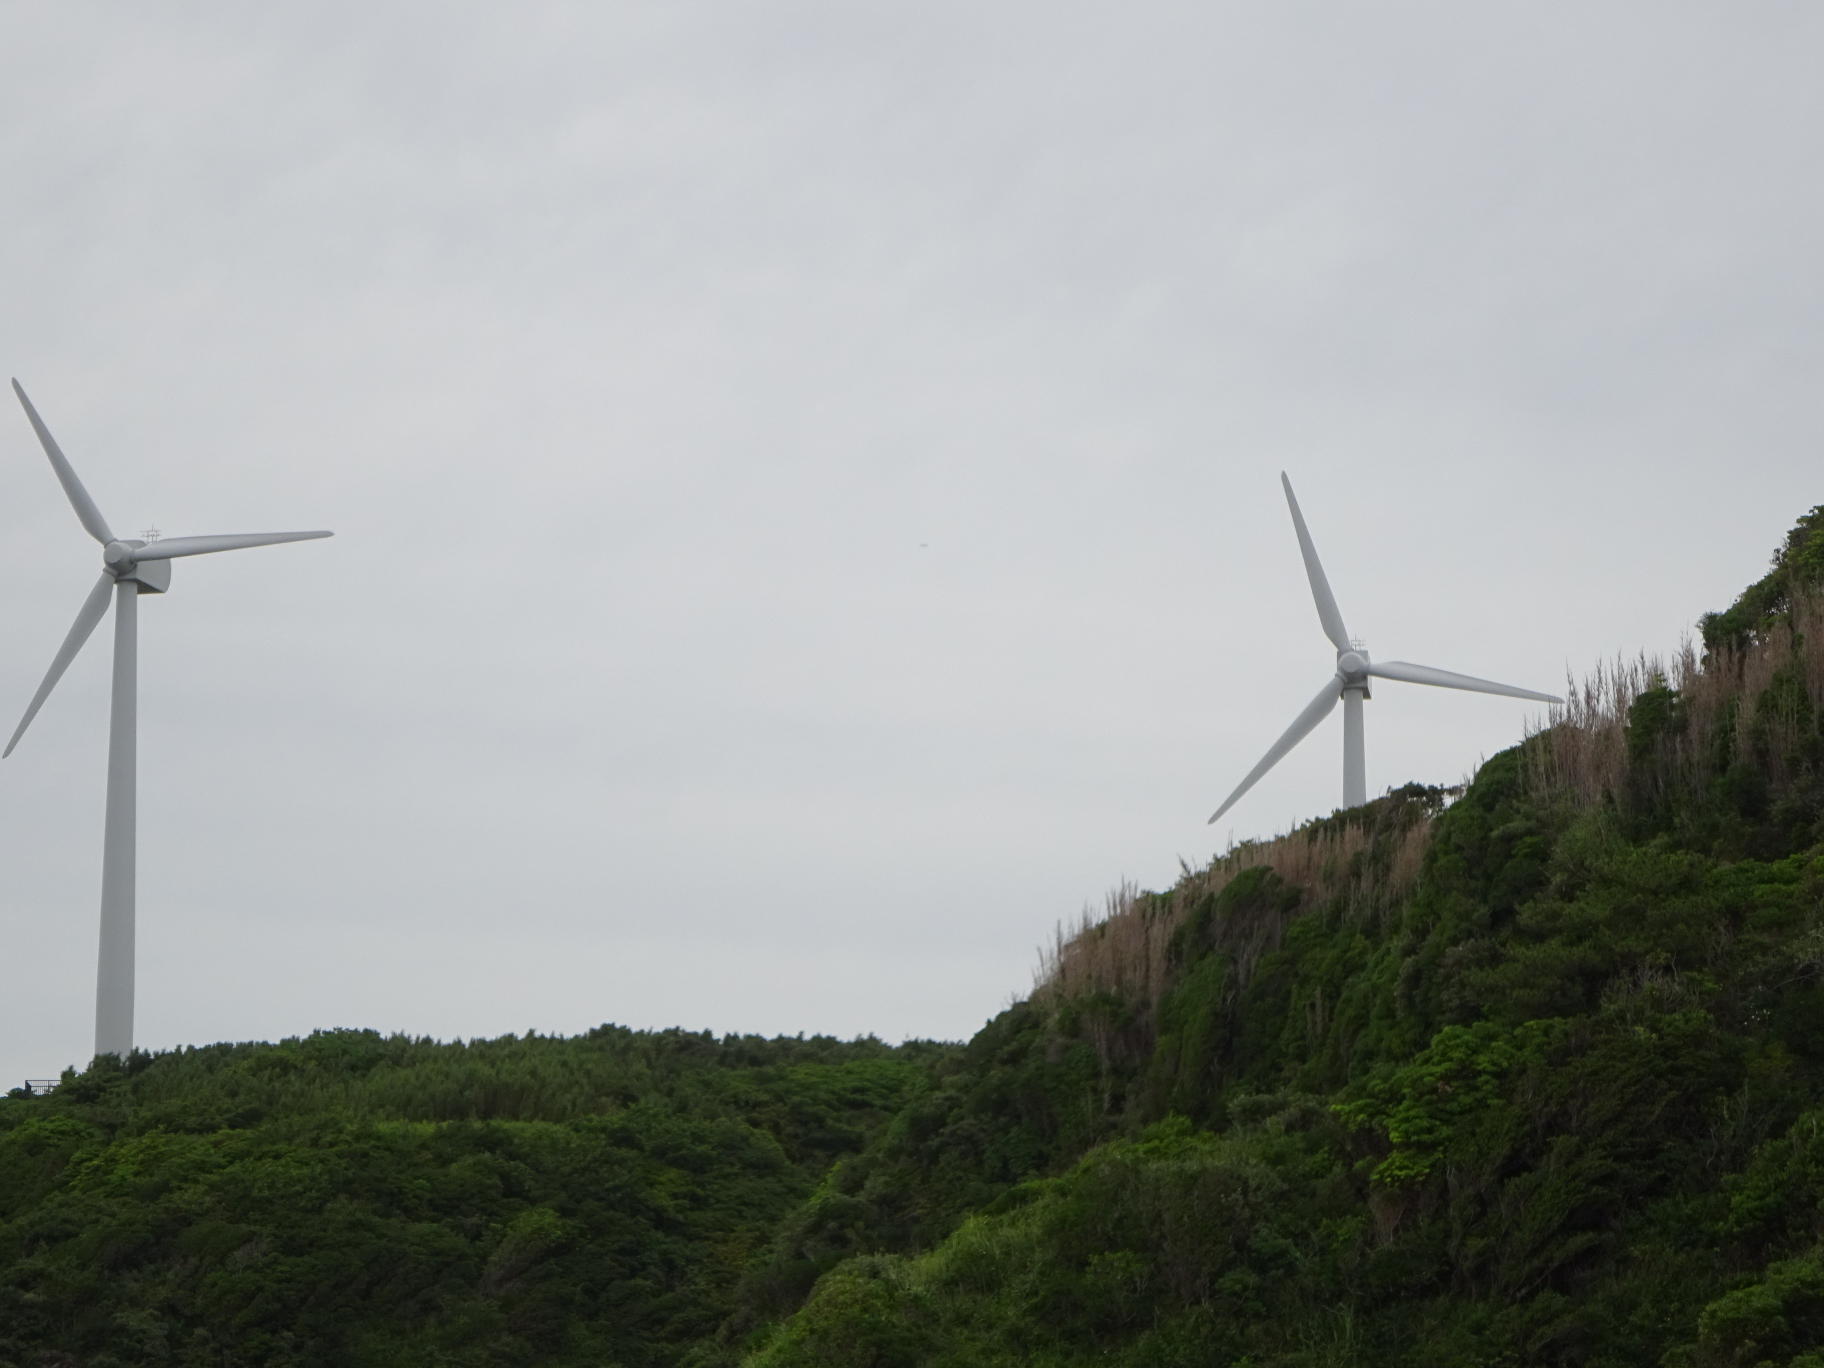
point(1350, 683)
point(130, 568)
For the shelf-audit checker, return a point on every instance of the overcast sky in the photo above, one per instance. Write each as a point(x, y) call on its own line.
point(805, 475)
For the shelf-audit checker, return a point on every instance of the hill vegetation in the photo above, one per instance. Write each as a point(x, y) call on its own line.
point(1530, 1072)
point(353, 1199)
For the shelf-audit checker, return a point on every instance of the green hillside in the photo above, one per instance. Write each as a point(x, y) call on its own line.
point(1526, 1073)
point(352, 1199)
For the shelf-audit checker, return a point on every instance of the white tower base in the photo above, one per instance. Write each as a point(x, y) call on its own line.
point(114, 975)
point(1355, 769)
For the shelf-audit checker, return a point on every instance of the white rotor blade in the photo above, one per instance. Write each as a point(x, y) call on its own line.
point(93, 609)
point(1327, 610)
point(1447, 679)
point(90, 515)
point(1315, 711)
point(173, 547)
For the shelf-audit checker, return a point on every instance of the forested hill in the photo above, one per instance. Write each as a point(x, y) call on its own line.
point(353, 1199)
point(1530, 1073)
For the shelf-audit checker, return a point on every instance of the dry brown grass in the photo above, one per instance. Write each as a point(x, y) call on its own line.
point(1123, 950)
point(1582, 754)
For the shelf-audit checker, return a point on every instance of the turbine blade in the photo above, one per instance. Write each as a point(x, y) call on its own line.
point(94, 607)
point(96, 525)
point(1315, 711)
point(1448, 679)
point(1327, 610)
point(173, 547)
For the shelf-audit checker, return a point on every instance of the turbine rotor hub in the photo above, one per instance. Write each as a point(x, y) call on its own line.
point(1352, 665)
point(121, 556)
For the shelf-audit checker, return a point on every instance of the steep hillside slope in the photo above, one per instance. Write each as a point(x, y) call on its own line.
point(1535, 1076)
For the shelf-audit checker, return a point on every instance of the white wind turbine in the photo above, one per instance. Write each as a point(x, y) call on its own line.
point(1350, 683)
point(129, 568)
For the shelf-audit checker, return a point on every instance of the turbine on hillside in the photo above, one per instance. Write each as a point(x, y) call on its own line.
point(1350, 683)
point(129, 568)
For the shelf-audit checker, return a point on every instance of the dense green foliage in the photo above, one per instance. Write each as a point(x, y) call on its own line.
point(352, 1199)
point(1542, 1086)
point(1798, 564)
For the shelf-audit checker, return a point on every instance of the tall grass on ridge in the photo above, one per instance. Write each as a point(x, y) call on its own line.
point(1757, 700)
point(1644, 729)
point(1126, 950)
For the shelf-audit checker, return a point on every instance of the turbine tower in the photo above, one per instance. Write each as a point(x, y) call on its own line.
point(1350, 683)
point(130, 568)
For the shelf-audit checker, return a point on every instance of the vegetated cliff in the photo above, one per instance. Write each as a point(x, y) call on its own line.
point(1531, 1077)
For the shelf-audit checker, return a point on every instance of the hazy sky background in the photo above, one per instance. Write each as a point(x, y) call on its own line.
point(805, 475)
